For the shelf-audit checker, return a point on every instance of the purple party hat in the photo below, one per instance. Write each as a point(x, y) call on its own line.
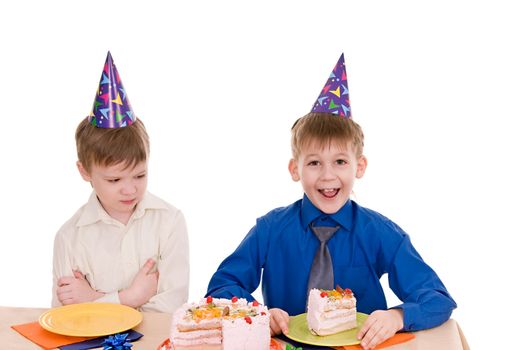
point(111, 108)
point(334, 97)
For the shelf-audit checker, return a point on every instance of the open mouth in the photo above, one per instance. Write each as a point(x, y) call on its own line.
point(329, 192)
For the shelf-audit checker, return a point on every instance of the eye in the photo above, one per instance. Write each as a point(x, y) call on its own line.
point(140, 176)
point(113, 180)
point(313, 163)
point(342, 162)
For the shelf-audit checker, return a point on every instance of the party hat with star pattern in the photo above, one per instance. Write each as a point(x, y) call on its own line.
point(111, 108)
point(334, 97)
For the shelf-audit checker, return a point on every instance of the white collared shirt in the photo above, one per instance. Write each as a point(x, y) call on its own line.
point(110, 253)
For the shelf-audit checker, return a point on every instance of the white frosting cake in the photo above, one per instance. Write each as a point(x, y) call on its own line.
point(235, 323)
point(331, 311)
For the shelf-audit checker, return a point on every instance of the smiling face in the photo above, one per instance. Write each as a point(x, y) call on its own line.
point(118, 188)
point(327, 173)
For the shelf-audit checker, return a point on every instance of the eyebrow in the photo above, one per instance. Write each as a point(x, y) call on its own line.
point(340, 154)
point(114, 176)
point(108, 176)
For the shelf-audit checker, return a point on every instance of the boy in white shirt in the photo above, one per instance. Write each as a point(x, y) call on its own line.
point(124, 245)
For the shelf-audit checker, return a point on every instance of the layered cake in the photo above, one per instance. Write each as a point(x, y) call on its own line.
point(234, 323)
point(331, 311)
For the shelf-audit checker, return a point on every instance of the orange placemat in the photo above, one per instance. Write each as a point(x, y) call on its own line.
point(45, 339)
point(275, 345)
point(398, 338)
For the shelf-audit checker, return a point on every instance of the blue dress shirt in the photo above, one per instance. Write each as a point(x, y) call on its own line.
point(366, 246)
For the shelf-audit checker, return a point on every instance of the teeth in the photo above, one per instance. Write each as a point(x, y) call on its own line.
point(328, 189)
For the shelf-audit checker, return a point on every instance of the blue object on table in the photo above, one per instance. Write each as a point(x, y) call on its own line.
point(117, 342)
point(100, 342)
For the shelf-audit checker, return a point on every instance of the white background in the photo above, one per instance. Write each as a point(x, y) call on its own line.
point(439, 89)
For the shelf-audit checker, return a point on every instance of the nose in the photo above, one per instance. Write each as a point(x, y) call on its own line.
point(328, 172)
point(128, 188)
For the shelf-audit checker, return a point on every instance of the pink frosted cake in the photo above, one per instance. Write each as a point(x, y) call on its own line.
point(235, 324)
point(331, 311)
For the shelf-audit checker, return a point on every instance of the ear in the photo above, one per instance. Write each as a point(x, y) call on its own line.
point(293, 170)
point(85, 174)
point(362, 163)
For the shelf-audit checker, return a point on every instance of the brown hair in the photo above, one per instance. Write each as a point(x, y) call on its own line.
point(100, 146)
point(324, 128)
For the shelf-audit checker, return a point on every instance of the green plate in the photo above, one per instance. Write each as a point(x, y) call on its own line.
point(298, 331)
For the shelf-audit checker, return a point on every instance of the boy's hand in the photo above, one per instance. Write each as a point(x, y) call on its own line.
point(380, 325)
point(144, 286)
point(279, 321)
point(76, 289)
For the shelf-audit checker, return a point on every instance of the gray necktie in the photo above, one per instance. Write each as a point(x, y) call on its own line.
point(321, 275)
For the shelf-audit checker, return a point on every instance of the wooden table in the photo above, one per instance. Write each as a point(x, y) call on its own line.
point(156, 327)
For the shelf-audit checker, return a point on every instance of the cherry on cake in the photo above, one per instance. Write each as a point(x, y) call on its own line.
point(234, 323)
point(331, 311)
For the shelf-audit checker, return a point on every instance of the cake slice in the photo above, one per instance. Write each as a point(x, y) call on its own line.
point(331, 311)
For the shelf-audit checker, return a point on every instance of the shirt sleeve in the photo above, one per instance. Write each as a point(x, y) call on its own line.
point(61, 263)
point(239, 274)
point(426, 301)
point(112, 297)
point(173, 267)
point(64, 264)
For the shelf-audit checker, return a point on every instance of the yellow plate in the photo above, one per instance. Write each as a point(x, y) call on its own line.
point(299, 331)
point(90, 319)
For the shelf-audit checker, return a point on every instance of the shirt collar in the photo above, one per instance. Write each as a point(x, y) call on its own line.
point(309, 213)
point(94, 212)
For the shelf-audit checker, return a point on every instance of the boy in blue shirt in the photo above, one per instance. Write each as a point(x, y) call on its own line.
point(327, 150)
